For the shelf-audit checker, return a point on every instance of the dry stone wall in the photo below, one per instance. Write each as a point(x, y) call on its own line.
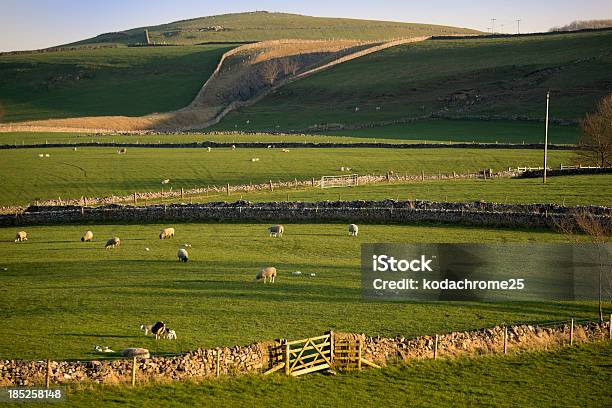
point(254, 358)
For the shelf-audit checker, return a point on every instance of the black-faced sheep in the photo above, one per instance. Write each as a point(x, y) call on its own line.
point(182, 255)
point(113, 243)
point(267, 273)
point(353, 230)
point(158, 329)
point(276, 231)
point(87, 236)
point(21, 236)
point(166, 233)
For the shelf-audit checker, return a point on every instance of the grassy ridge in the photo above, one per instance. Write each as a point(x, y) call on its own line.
point(574, 376)
point(79, 294)
point(113, 81)
point(28, 177)
point(459, 78)
point(259, 26)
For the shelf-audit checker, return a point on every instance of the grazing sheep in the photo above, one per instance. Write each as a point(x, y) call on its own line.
point(100, 349)
point(296, 273)
point(158, 329)
point(285, 150)
point(166, 233)
point(87, 237)
point(41, 155)
point(21, 236)
point(170, 334)
point(353, 230)
point(74, 149)
point(146, 328)
point(209, 148)
point(233, 147)
point(266, 273)
point(186, 245)
point(166, 181)
point(122, 151)
point(276, 231)
point(47, 155)
point(182, 255)
point(255, 159)
point(113, 243)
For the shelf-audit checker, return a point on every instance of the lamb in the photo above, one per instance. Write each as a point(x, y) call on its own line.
point(209, 149)
point(87, 237)
point(146, 328)
point(170, 334)
point(113, 243)
point(182, 255)
point(266, 273)
point(21, 236)
point(276, 231)
point(166, 233)
point(353, 230)
point(158, 329)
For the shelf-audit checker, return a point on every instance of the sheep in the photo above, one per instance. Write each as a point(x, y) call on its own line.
point(166, 233)
point(255, 159)
point(266, 273)
point(74, 149)
point(209, 149)
point(47, 155)
point(87, 237)
point(233, 147)
point(100, 349)
point(276, 231)
point(146, 328)
point(285, 150)
point(170, 334)
point(182, 255)
point(122, 151)
point(21, 236)
point(166, 181)
point(158, 329)
point(113, 243)
point(356, 108)
point(353, 230)
point(41, 155)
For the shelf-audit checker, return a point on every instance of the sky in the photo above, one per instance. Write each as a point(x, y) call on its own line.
point(32, 24)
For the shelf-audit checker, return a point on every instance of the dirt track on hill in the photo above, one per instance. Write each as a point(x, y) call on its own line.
point(243, 76)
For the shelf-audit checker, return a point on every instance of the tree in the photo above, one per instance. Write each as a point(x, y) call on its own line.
point(595, 144)
point(269, 71)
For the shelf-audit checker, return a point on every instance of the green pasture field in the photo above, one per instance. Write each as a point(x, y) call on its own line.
point(577, 376)
point(107, 81)
point(426, 131)
point(98, 172)
point(60, 296)
point(566, 190)
point(463, 78)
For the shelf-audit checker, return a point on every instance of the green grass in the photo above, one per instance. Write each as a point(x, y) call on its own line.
point(27, 177)
point(577, 376)
point(571, 190)
point(441, 130)
point(502, 76)
point(116, 81)
point(258, 26)
point(59, 296)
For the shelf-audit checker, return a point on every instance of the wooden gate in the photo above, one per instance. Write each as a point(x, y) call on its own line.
point(329, 351)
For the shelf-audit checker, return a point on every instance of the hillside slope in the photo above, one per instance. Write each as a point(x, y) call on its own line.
point(463, 78)
point(261, 26)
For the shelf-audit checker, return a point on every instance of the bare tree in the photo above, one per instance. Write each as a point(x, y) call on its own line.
point(269, 71)
point(595, 144)
point(585, 224)
point(289, 66)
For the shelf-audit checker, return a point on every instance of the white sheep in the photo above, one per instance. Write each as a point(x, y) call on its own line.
point(166, 233)
point(267, 273)
point(146, 328)
point(276, 231)
point(209, 149)
point(356, 108)
point(285, 150)
point(255, 159)
point(170, 334)
point(21, 236)
point(47, 155)
point(353, 230)
point(87, 236)
point(41, 155)
point(113, 243)
point(182, 255)
point(166, 181)
point(233, 147)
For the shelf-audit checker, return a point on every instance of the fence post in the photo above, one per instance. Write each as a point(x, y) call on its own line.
point(271, 186)
point(48, 379)
point(360, 345)
point(572, 333)
point(422, 175)
point(287, 359)
point(313, 181)
point(182, 192)
point(436, 348)
point(134, 372)
point(218, 363)
point(135, 200)
point(227, 188)
point(331, 347)
point(505, 339)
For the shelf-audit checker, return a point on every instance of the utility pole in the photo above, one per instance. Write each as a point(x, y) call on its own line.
point(546, 138)
point(489, 30)
point(493, 25)
point(518, 26)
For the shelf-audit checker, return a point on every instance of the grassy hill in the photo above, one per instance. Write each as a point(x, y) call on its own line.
point(261, 25)
point(464, 78)
point(107, 81)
